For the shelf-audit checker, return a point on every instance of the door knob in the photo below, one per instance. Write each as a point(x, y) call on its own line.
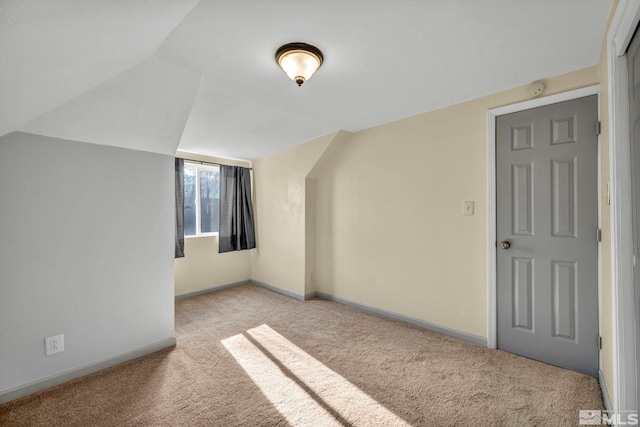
point(505, 244)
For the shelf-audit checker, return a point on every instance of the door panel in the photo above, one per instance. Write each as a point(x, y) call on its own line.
point(563, 197)
point(563, 287)
point(523, 293)
point(546, 178)
point(522, 178)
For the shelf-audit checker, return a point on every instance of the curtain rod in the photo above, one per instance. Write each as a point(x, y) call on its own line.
point(202, 162)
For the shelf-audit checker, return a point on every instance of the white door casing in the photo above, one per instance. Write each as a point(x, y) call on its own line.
point(491, 193)
point(620, 33)
point(547, 217)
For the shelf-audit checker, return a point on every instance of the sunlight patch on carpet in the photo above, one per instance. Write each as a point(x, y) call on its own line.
point(287, 397)
point(352, 404)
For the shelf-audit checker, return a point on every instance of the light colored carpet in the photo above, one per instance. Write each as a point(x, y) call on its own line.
point(249, 357)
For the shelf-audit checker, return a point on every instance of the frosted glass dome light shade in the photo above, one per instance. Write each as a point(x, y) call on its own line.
point(299, 61)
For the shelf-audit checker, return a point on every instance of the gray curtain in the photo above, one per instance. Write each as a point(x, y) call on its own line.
point(236, 211)
point(179, 208)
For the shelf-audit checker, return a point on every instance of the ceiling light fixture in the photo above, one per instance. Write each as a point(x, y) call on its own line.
point(299, 61)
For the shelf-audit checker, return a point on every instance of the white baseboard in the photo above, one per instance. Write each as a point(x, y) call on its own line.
point(72, 374)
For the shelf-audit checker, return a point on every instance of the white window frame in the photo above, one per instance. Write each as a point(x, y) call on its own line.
point(198, 168)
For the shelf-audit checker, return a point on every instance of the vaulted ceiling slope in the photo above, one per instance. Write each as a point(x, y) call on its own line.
point(152, 74)
point(53, 51)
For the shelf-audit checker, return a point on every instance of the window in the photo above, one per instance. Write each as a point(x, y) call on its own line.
point(201, 199)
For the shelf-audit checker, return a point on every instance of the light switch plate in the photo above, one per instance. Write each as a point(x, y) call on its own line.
point(468, 208)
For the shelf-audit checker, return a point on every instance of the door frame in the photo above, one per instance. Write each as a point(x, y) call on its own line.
point(492, 301)
point(492, 249)
point(621, 31)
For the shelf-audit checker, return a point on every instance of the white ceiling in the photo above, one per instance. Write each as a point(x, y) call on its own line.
point(149, 74)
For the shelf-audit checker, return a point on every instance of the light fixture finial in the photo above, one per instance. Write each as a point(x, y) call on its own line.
point(299, 60)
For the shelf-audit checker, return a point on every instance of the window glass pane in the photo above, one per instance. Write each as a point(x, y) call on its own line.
point(209, 200)
point(189, 200)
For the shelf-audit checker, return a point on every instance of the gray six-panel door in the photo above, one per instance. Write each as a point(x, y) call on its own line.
point(547, 263)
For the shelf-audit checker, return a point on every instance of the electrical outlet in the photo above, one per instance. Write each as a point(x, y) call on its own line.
point(54, 344)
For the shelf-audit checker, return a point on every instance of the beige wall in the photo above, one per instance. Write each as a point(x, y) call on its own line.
point(280, 198)
point(203, 267)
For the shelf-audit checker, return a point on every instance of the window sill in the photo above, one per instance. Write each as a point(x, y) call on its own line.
point(202, 235)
